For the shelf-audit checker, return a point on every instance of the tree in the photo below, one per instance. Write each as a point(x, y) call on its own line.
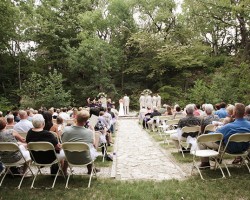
point(45, 91)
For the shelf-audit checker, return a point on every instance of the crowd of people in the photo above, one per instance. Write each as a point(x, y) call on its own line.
point(228, 120)
point(57, 126)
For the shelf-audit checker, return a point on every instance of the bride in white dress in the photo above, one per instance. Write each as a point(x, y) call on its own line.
point(121, 109)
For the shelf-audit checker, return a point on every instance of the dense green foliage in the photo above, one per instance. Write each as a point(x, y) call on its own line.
point(198, 55)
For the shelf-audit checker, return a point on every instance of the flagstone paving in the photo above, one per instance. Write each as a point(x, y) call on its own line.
point(138, 157)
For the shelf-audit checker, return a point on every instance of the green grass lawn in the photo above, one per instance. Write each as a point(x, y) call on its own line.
point(192, 188)
point(236, 187)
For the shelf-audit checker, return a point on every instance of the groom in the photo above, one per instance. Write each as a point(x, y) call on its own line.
point(126, 104)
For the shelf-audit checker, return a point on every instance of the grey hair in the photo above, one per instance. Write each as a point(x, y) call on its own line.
point(209, 108)
point(37, 121)
point(190, 108)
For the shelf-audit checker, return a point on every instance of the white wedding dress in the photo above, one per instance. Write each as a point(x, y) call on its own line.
point(121, 110)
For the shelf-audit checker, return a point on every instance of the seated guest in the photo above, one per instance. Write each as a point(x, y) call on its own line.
point(49, 125)
point(10, 121)
point(197, 110)
point(24, 125)
point(142, 113)
point(79, 133)
point(247, 113)
point(240, 125)
point(209, 118)
point(64, 115)
point(229, 118)
point(152, 115)
point(222, 113)
point(146, 118)
point(10, 135)
point(38, 134)
point(168, 111)
point(60, 125)
point(178, 113)
point(16, 116)
point(189, 120)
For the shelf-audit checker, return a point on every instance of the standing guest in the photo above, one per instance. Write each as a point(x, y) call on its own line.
point(154, 101)
point(158, 101)
point(126, 102)
point(109, 103)
point(1, 114)
point(222, 112)
point(247, 113)
point(148, 101)
point(78, 133)
point(142, 101)
point(24, 125)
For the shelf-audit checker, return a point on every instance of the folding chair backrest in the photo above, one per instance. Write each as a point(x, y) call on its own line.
point(162, 118)
point(209, 128)
point(40, 146)
point(239, 137)
point(77, 153)
point(45, 148)
point(23, 134)
point(192, 131)
point(8, 146)
point(173, 122)
point(75, 146)
point(210, 138)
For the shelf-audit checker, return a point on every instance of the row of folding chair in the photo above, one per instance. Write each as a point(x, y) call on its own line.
point(33, 147)
point(218, 155)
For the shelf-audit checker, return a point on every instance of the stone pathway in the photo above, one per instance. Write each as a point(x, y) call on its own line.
point(137, 156)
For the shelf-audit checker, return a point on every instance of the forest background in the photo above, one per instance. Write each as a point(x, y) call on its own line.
point(60, 52)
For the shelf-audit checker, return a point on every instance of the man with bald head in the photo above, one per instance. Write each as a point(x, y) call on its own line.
point(24, 125)
point(240, 125)
point(78, 133)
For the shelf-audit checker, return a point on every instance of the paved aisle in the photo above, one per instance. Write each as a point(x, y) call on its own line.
point(139, 157)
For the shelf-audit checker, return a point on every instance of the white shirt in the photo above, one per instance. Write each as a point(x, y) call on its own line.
point(23, 126)
point(64, 115)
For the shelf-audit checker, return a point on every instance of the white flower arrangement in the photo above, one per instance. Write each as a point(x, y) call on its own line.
point(147, 91)
point(101, 94)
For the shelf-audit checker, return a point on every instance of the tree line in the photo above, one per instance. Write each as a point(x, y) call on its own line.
point(57, 53)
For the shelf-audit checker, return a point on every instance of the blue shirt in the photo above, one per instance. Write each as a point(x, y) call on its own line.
point(238, 126)
point(222, 113)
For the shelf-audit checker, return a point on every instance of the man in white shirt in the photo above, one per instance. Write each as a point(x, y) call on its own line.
point(126, 104)
point(64, 115)
point(142, 101)
point(24, 125)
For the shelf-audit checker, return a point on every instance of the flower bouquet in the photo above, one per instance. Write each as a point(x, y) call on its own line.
point(147, 91)
point(101, 94)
